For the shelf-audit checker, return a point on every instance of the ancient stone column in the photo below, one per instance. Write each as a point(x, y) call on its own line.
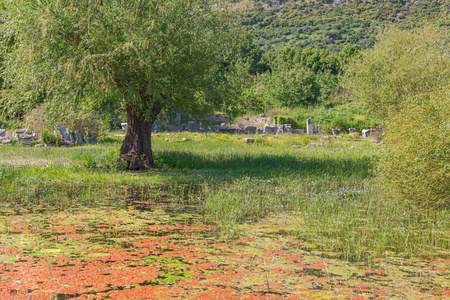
point(309, 126)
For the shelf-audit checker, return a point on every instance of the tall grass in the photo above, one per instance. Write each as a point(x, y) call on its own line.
point(232, 182)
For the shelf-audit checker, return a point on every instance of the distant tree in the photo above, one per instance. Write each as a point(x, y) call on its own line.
point(405, 79)
point(403, 63)
point(145, 55)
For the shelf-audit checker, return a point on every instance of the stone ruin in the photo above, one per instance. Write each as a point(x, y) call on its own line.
point(74, 138)
point(26, 138)
point(194, 126)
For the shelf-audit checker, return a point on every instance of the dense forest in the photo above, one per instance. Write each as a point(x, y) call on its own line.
point(332, 24)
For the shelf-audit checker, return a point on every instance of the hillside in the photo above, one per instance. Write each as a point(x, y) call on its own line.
point(332, 24)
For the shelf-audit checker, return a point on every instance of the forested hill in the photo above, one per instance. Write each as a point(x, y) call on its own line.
point(332, 24)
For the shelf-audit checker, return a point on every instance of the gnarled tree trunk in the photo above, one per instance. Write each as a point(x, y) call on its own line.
point(136, 151)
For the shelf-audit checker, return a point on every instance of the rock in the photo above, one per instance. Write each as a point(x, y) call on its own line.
point(288, 128)
point(64, 134)
point(157, 135)
point(335, 131)
point(352, 147)
point(120, 135)
point(248, 140)
point(309, 127)
point(352, 130)
point(186, 139)
point(26, 142)
point(124, 126)
point(92, 140)
point(250, 129)
point(39, 145)
point(311, 145)
point(296, 146)
point(318, 130)
point(368, 132)
point(6, 141)
point(166, 140)
point(78, 138)
point(298, 131)
point(263, 135)
point(270, 129)
point(280, 129)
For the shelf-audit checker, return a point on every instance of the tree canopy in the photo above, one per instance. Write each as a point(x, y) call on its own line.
point(144, 55)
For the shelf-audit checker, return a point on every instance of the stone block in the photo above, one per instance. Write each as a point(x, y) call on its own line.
point(368, 132)
point(26, 142)
point(336, 131)
point(280, 128)
point(5, 134)
point(250, 129)
point(248, 140)
point(298, 131)
point(318, 130)
point(312, 145)
point(124, 126)
point(270, 129)
point(6, 141)
point(352, 130)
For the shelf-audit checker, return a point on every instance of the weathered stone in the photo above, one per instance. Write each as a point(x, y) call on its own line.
point(26, 142)
point(368, 132)
point(280, 128)
point(120, 135)
point(92, 140)
point(318, 130)
point(5, 135)
point(64, 134)
point(248, 140)
point(78, 138)
point(124, 126)
point(227, 129)
point(309, 126)
point(296, 146)
point(298, 131)
point(39, 145)
point(6, 141)
point(270, 129)
point(288, 128)
point(351, 130)
point(336, 131)
point(193, 127)
point(166, 140)
point(312, 145)
point(250, 129)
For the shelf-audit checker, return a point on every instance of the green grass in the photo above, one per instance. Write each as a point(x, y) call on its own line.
point(232, 182)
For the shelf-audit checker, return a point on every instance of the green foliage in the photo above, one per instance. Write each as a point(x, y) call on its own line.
point(49, 137)
point(401, 64)
point(415, 164)
point(404, 79)
point(121, 52)
point(333, 24)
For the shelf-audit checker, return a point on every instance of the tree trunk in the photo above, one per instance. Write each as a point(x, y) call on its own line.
point(136, 151)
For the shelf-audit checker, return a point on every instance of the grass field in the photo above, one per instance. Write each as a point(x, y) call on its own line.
point(219, 218)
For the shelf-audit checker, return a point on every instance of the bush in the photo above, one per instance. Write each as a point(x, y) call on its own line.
point(49, 137)
point(415, 163)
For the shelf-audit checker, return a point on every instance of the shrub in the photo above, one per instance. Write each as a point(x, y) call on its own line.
point(415, 163)
point(49, 137)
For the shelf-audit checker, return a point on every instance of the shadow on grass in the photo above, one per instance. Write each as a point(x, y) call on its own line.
point(266, 166)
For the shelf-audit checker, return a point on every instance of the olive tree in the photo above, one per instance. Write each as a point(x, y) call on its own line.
point(145, 55)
